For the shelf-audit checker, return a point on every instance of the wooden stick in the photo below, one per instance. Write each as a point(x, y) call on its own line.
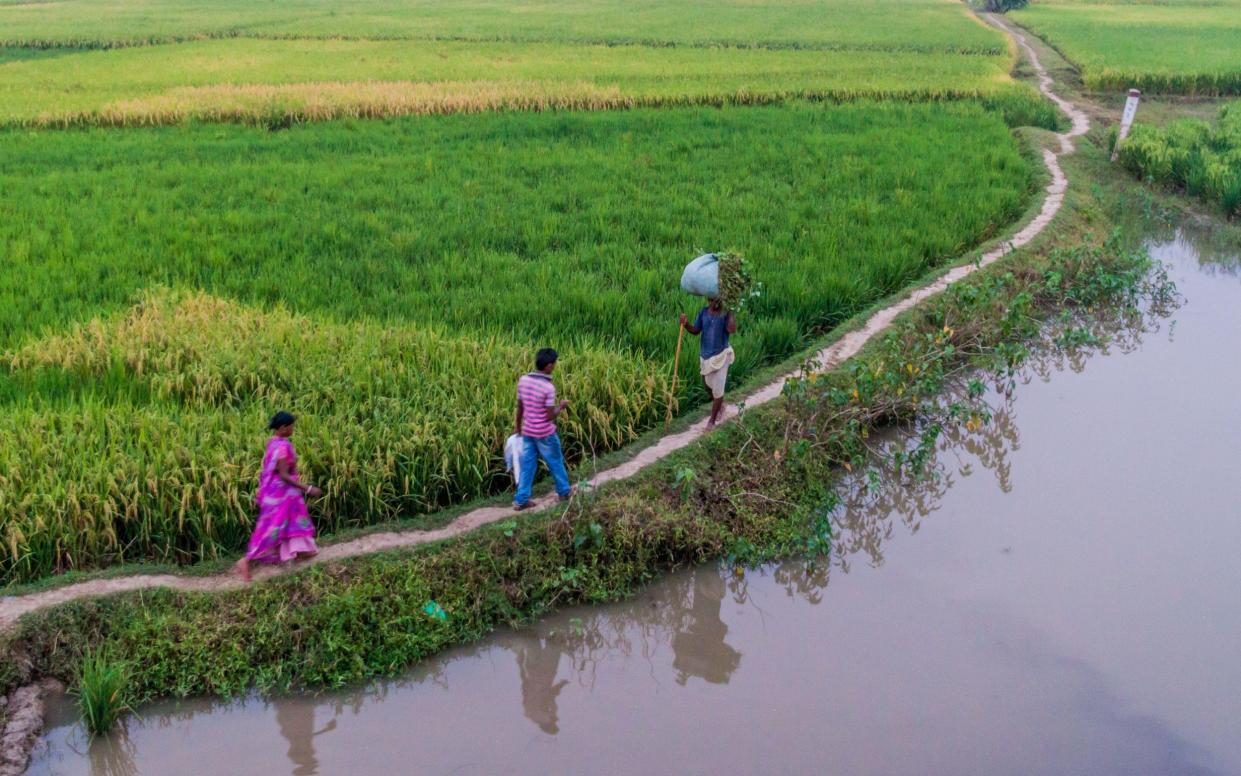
point(676, 370)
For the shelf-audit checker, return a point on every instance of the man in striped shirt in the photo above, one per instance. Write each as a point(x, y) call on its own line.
point(537, 410)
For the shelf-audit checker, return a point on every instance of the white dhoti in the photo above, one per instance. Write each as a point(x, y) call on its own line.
point(714, 371)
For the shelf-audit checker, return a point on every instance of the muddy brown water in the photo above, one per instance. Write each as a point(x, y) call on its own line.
point(1062, 600)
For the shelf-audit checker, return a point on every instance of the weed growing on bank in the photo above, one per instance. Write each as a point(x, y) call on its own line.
point(101, 690)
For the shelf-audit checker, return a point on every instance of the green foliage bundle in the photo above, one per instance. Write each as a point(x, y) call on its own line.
point(737, 287)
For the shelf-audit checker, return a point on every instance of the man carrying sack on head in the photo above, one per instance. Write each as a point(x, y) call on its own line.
point(715, 324)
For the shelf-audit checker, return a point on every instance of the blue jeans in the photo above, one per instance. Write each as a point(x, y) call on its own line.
point(547, 448)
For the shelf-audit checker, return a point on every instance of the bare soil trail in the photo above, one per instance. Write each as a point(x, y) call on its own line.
point(13, 607)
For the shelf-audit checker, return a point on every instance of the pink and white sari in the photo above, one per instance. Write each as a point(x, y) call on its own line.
point(284, 530)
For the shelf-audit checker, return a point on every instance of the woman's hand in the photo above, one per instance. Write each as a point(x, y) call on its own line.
point(684, 319)
point(312, 491)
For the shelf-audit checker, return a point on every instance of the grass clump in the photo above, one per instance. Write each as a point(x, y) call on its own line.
point(102, 690)
point(1199, 158)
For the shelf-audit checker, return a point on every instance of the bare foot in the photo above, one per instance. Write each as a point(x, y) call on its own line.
point(243, 569)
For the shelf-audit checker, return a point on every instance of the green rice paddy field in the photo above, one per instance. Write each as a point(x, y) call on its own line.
point(1167, 47)
point(919, 25)
point(388, 276)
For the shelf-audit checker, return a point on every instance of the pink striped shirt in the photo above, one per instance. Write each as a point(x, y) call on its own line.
point(537, 395)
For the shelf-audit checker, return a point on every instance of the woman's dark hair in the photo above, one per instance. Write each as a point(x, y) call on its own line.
point(544, 357)
point(280, 420)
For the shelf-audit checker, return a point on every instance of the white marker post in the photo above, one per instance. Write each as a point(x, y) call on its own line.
point(1126, 120)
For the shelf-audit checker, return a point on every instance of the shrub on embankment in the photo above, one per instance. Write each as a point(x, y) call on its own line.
point(1193, 156)
point(755, 488)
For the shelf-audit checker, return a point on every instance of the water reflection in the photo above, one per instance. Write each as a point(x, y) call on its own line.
point(296, 719)
point(698, 646)
point(875, 501)
point(538, 661)
point(685, 616)
point(1216, 250)
point(113, 755)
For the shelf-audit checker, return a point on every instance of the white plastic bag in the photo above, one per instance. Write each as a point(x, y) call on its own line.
point(513, 447)
point(702, 276)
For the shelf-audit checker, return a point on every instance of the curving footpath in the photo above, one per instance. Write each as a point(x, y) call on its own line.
point(13, 607)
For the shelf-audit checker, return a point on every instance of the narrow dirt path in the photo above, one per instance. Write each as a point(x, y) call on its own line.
point(13, 607)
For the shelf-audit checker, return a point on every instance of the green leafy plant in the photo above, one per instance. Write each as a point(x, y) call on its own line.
point(684, 480)
point(103, 685)
point(589, 536)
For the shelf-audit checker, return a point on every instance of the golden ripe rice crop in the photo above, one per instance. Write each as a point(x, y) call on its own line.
point(156, 455)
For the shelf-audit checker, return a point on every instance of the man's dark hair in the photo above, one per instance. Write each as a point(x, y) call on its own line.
point(544, 357)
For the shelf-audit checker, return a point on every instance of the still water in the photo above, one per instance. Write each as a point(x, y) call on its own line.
point(1063, 599)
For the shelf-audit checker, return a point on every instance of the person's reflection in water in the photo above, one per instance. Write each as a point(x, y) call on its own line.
point(538, 661)
point(698, 647)
point(296, 718)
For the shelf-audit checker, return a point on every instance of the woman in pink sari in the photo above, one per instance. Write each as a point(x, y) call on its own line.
point(284, 531)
